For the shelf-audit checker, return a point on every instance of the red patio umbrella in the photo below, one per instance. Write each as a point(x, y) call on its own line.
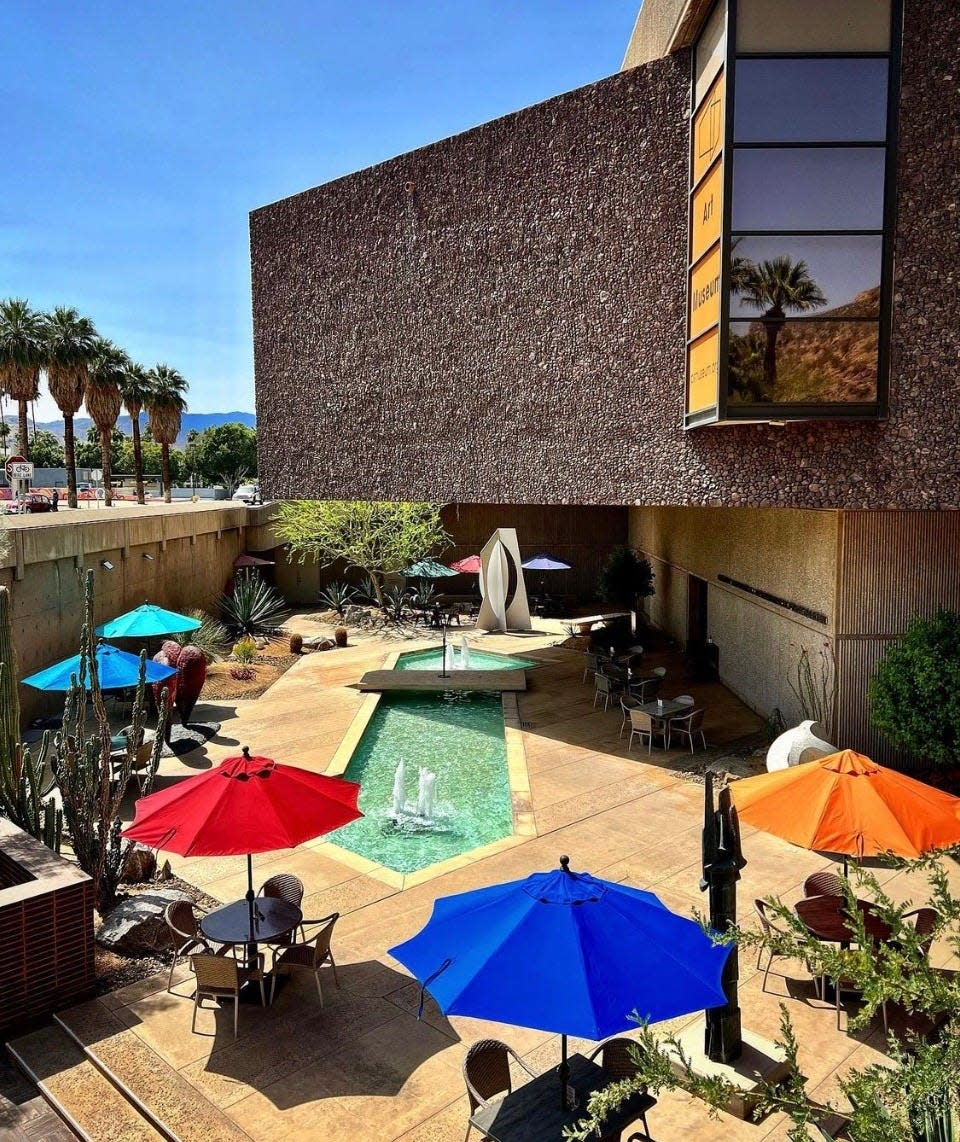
point(470, 565)
point(244, 805)
point(247, 560)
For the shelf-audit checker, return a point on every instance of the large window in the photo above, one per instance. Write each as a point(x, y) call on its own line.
point(805, 181)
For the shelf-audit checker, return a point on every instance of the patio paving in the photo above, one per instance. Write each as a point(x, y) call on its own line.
point(362, 1065)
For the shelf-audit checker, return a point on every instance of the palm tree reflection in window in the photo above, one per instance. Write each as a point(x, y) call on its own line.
point(774, 287)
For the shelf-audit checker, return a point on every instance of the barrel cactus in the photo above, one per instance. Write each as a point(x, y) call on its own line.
point(296, 644)
point(192, 673)
point(340, 636)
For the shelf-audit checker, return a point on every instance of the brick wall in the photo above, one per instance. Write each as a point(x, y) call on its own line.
point(499, 317)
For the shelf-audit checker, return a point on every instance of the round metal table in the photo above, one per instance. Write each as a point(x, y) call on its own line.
point(231, 924)
point(826, 918)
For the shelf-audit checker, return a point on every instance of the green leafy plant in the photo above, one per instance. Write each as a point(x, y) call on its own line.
point(337, 596)
point(245, 650)
point(212, 637)
point(626, 577)
point(255, 608)
point(24, 787)
point(377, 537)
point(915, 692)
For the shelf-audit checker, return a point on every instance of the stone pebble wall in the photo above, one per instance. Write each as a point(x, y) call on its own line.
point(500, 317)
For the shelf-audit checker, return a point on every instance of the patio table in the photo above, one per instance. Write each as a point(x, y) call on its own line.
point(532, 1112)
point(231, 924)
point(668, 709)
point(826, 918)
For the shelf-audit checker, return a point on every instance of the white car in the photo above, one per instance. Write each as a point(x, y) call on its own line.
point(248, 493)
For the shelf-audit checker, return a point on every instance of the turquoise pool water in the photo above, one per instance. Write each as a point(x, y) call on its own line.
point(457, 736)
point(432, 658)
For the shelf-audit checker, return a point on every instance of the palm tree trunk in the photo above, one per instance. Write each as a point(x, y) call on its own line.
point(137, 456)
point(107, 469)
point(23, 430)
point(71, 460)
point(165, 470)
point(772, 321)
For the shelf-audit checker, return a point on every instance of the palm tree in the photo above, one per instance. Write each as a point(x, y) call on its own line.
point(166, 404)
point(21, 358)
point(774, 287)
point(135, 389)
point(70, 341)
point(110, 363)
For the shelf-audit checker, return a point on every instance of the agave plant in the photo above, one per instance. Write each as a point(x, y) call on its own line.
point(254, 609)
point(211, 636)
point(337, 596)
point(395, 602)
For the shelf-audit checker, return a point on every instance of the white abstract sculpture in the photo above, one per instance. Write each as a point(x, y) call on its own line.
point(798, 745)
point(504, 605)
point(399, 796)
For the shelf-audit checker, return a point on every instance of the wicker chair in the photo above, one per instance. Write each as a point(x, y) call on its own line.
point(646, 729)
point(285, 886)
point(646, 689)
point(925, 922)
point(606, 687)
point(770, 929)
point(185, 934)
point(616, 1058)
point(221, 977)
point(627, 703)
point(823, 884)
point(689, 726)
point(591, 665)
point(308, 956)
point(486, 1072)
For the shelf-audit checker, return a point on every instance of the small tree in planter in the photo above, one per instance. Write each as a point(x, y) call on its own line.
point(915, 693)
point(626, 579)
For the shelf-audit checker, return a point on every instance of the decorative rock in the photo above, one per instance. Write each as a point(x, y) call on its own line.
point(796, 746)
point(140, 865)
point(136, 924)
point(319, 642)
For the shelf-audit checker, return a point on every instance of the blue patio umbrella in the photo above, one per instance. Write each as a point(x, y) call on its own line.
point(428, 569)
point(146, 622)
point(564, 952)
point(117, 670)
point(544, 562)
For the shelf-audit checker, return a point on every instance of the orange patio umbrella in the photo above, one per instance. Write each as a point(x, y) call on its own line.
point(845, 803)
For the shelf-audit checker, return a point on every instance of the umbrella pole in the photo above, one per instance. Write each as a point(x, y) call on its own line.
point(846, 868)
point(564, 1073)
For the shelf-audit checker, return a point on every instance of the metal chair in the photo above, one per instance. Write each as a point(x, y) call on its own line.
point(689, 726)
point(627, 703)
point(486, 1072)
point(591, 664)
point(310, 956)
point(185, 934)
point(646, 728)
point(221, 977)
point(770, 929)
point(646, 689)
point(823, 884)
point(617, 1059)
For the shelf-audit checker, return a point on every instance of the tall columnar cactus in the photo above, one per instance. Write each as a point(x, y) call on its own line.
point(92, 783)
point(25, 787)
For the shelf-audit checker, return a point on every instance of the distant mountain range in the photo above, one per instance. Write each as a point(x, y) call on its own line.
point(191, 421)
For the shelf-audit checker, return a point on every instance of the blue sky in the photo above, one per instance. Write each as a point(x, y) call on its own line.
point(138, 136)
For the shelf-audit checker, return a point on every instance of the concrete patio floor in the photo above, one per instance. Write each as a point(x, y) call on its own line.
point(362, 1066)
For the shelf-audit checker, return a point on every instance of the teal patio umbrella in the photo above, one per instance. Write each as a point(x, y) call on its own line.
point(147, 621)
point(116, 669)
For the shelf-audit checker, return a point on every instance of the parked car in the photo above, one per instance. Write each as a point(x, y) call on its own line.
point(30, 503)
point(248, 494)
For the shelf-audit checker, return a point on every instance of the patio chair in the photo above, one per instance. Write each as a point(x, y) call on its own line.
point(185, 935)
point(646, 729)
point(141, 758)
point(925, 921)
point(823, 883)
point(627, 703)
point(616, 1058)
point(686, 699)
point(284, 886)
point(770, 929)
point(607, 687)
point(689, 726)
point(486, 1072)
point(591, 664)
point(647, 689)
point(221, 977)
point(309, 956)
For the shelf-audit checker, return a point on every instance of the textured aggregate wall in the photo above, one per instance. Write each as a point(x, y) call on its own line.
point(499, 317)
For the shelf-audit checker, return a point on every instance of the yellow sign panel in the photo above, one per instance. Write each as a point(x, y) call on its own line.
point(706, 209)
point(705, 293)
point(708, 129)
point(703, 361)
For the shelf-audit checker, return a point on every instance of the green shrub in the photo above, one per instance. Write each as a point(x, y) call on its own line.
point(915, 693)
point(245, 650)
point(255, 608)
point(625, 578)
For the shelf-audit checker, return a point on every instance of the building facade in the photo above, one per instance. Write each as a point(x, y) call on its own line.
point(718, 289)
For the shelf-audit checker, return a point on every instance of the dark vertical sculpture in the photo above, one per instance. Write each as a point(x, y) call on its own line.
point(722, 861)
